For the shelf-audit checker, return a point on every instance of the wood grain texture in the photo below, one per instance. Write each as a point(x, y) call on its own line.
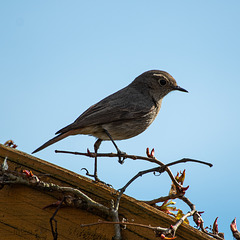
point(22, 215)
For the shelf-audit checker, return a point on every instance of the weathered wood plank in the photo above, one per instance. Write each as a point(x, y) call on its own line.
point(22, 216)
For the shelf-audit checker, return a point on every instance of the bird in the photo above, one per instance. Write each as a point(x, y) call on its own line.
point(123, 114)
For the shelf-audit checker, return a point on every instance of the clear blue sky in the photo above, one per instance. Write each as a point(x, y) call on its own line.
point(59, 57)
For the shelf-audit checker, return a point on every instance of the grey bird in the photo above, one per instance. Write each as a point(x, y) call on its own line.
point(123, 114)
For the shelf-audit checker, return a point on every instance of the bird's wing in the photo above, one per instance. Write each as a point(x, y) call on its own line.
point(125, 104)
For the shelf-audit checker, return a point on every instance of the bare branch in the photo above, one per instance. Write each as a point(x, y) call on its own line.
point(160, 231)
point(80, 200)
point(183, 160)
point(9, 178)
point(124, 223)
point(162, 199)
point(133, 157)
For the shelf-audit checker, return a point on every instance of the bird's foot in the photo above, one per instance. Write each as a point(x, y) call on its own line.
point(121, 157)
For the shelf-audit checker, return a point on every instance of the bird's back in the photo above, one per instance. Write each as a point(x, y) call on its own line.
point(125, 105)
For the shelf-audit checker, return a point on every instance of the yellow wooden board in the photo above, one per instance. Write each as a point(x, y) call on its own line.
point(22, 215)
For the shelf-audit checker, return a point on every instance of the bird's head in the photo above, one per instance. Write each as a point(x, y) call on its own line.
point(158, 83)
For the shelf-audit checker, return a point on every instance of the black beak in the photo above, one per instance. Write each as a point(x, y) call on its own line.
point(180, 89)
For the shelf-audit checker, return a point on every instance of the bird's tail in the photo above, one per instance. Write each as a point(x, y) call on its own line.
point(51, 141)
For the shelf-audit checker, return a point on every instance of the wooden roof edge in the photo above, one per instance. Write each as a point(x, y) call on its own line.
point(71, 178)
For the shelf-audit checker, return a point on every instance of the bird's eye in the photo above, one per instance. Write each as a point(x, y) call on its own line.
point(162, 82)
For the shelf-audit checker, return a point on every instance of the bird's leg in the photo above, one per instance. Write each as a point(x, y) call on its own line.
point(120, 160)
point(96, 147)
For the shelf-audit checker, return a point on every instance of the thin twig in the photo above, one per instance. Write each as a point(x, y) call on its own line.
point(180, 221)
point(10, 178)
point(54, 231)
point(124, 223)
point(210, 234)
point(80, 200)
point(160, 169)
point(162, 199)
point(123, 189)
point(124, 155)
point(133, 157)
point(159, 230)
point(183, 160)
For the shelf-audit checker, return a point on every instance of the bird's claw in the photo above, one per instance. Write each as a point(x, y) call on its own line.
point(121, 157)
